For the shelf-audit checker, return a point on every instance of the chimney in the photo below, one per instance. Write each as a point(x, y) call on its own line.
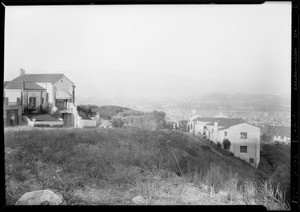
point(22, 72)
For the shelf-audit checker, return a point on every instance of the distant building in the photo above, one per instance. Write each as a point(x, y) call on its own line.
point(279, 134)
point(220, 115)
point(244, 138)
point(194, 115)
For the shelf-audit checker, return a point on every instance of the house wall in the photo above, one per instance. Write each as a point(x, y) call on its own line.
point(199, 127)
point(12, 94)
point(49, 89)
point(38, 94)
point(63, 84)
point(252, 142)
point(221, 134)
point(8, 110)
point(87, 123)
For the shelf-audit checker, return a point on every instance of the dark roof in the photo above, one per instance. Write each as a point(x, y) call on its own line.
point(225, 122)
point(38, 78)
point(27, 86)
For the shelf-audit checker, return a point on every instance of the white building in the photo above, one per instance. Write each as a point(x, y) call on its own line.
point(194, 115)
point(34, 91)
point(244, 138)
point(281, 134)
point(220, 115)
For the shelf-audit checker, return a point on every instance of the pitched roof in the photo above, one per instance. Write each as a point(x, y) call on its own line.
point(225, 122)
point(38, 78)
point(27, 86)
point(63, 94)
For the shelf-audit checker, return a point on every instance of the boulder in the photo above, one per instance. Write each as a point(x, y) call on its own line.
point(40, 197)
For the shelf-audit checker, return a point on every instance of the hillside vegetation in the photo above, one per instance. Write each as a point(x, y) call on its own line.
point(110, 111)
point(111, 166)
point(275, 164)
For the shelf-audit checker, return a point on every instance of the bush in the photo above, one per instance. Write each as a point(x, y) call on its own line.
point(226, 144)
point(218, 144)
point(46, 108)
point(28, 110)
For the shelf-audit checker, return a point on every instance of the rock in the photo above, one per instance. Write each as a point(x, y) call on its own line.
point(139, 200)
point(40, 197)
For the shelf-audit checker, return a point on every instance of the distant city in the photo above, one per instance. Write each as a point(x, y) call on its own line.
point(259, 110)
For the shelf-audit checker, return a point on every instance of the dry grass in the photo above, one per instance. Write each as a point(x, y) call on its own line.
point(110, 166)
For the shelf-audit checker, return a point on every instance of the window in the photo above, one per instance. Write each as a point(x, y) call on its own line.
point(225, 133)
point(251, 160)
point(243, 135)
point(243, 149)
point(42, 100)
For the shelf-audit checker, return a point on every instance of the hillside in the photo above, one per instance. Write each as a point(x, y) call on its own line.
point(111, 110)
point(275, 164)
point(111, 166)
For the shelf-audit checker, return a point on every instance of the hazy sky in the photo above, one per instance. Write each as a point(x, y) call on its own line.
point(154, 50)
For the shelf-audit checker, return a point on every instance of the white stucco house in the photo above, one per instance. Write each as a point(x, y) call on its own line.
point(33, 91)
point(244, 137)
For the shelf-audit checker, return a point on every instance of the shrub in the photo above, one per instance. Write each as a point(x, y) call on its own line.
point(57, 114)
point(218, 144)
point(46, 108)
point(226, 144)
point(28, 110)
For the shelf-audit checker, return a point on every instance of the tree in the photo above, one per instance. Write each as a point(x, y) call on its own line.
point(117, 122)
point(226, 144)
point(85, 111)
point(266, 138)
point(159, 119)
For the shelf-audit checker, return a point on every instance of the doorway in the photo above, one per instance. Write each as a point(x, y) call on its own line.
point(32, 102)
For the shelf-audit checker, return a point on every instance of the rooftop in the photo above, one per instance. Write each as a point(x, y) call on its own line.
point(50, 78)
point(222, 122)
point(19, 85)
